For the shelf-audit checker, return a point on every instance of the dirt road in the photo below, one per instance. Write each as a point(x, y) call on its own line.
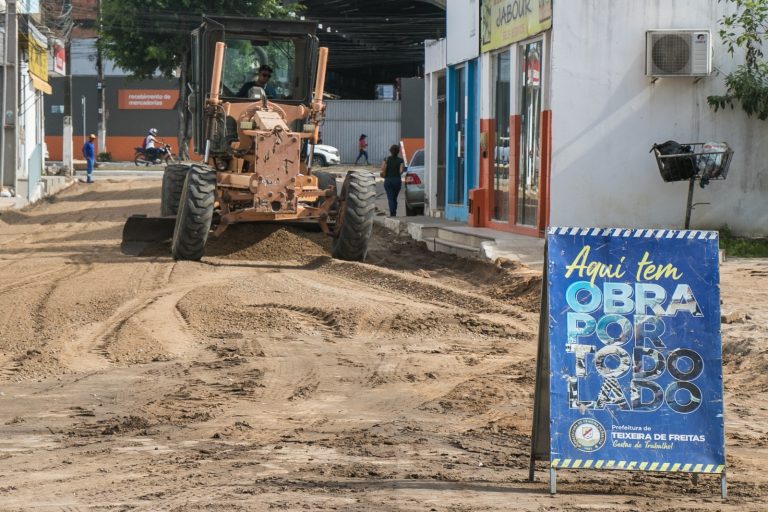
point(271, 377)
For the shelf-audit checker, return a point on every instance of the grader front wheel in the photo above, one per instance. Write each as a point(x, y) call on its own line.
point(356, 217)
point(174, 177)
point(193, 220)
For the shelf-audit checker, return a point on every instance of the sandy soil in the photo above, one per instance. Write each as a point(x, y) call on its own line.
point(271, 377)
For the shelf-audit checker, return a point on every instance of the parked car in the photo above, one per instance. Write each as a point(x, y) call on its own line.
point(325, 155)
point(414, 185)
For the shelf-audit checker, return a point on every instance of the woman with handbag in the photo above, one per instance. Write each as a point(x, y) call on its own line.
point(392, 170)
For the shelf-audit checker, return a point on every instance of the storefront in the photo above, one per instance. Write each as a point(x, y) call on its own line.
point(462, 129)
point(589, 164)
point(515, 129)
point(462, 108)
point(33, 85)
point(435, 133)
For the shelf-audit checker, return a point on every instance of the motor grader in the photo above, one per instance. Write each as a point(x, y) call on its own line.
point(257, 144)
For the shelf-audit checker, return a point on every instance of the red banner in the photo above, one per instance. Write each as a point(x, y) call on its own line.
point(59, 58)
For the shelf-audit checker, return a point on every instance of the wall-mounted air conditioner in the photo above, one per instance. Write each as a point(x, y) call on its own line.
point(678, 53)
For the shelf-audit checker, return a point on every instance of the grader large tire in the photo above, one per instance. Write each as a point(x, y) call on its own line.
point(173, 183)
point(359, 197)
point(324, 179)
point(193, 220)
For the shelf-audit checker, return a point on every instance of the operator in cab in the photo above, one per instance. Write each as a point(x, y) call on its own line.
point(262, 80)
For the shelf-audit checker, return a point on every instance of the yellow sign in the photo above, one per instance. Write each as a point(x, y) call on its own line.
point(503, 22)
point(38, 59)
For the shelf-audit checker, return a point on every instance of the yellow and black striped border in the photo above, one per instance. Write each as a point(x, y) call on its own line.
point(635, 233)
point(631, 465)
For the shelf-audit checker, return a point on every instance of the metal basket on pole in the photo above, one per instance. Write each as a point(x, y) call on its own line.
point(692, 162)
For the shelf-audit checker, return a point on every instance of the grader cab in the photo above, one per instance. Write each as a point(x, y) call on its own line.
point(256, 138)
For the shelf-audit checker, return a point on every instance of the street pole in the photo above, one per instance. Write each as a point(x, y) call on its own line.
point(10, 103)
point(67, 153)
point(2, 110)
point(82, 103)
point(102, 111)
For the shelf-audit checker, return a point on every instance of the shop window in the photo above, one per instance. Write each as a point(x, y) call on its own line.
point(530, 134)
point(501, 152)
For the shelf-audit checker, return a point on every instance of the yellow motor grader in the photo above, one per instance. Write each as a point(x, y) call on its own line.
point(257, 143)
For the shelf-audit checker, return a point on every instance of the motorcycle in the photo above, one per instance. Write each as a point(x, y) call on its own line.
point(162, 154)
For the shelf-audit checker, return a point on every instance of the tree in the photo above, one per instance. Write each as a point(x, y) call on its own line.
point(748, 85)
point(146, 37)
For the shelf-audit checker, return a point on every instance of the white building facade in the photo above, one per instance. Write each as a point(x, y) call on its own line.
point(568, 115)
point(33, 84)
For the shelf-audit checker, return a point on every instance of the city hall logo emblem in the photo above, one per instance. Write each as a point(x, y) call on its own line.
point(587, 435)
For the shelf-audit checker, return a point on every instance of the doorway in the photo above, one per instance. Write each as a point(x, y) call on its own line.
point(459, 109)
point(529, 166)
point(501, 151)
point(441, 177)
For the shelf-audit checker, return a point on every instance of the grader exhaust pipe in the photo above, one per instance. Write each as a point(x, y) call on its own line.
point(218, 64)
point(317, 104)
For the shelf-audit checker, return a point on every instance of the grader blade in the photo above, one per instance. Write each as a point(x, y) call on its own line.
point(140, 230)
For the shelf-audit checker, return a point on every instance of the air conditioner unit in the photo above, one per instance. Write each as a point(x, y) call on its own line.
point(678, 53)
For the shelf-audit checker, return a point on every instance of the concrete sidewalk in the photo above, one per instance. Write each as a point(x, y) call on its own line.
point(137, 173)
point(442, 235)
point(48, 186)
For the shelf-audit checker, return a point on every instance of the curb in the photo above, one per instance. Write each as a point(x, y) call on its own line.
point(487, 250)
point(52, 188)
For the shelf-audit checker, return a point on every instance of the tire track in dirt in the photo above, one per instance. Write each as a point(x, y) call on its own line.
point(31, 280)
point(151, 311)
point(375, 370)
point(39, 314)
point(192, 401)
point(62, 300)
point(416, 289)
point(36, 344)
point(395, 313)
point(324, 318)
point(285, 375)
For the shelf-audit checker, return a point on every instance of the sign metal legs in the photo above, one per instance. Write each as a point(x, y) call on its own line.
point(723, 486)
point(552, 481)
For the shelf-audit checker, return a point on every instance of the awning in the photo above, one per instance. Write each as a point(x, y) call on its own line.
point(40, 84)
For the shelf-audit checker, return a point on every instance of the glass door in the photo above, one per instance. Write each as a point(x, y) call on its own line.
point(530, 135)
point(441, 142)
point(501, 150)
point(457, 194)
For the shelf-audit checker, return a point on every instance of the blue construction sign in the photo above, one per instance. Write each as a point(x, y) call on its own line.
point(635, 364)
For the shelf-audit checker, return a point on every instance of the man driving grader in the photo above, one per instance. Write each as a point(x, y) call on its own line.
point(256, 164)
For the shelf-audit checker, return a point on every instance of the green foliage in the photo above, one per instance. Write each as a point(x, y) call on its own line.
point(147, 36)
point(738, 247)
point(104, 157)
point(748, 85)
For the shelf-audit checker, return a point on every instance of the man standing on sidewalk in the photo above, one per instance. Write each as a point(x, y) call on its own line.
point(89, 153)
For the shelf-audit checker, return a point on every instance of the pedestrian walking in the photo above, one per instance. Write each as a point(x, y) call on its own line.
point(89, 153)
point(362, 145)
point(392, 170)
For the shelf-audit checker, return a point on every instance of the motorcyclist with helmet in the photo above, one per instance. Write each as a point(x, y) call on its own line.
point(152, 152)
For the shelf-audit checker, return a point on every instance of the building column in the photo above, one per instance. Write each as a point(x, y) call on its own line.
point(10, 100)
